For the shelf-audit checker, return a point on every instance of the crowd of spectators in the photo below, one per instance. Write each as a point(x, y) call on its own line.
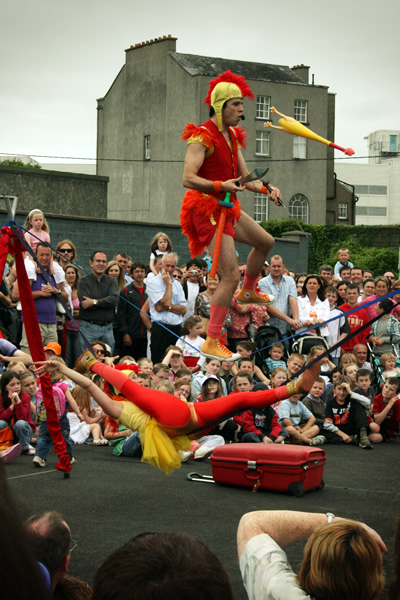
point(153, 321)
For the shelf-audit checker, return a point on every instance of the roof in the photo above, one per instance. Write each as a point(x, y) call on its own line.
point(211, 66)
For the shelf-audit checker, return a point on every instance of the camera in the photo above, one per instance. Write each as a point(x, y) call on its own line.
point(195, 272)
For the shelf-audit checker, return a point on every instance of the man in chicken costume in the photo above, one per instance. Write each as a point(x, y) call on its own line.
point(214, 166)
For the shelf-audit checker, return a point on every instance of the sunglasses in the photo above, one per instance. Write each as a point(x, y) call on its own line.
point(65, 250)
point(99, 351)
point(178, 276)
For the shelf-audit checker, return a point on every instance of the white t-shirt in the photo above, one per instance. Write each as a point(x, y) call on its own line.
point(193, 290)
point(266, 572)
point(30, 267)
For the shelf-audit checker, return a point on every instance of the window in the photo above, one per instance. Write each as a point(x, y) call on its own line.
point(371, 211)
point(298, 208)
point(260, 207)
point(263, 106)
point(342, 214)
point(300, 111)
point(370, 190)
point(393, 143)
point(147, 147)
point(299, 147)
point(262, 143)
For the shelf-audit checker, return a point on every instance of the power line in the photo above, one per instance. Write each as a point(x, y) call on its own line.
point(164, 161)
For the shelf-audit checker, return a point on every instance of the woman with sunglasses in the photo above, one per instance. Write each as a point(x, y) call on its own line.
point(67, 252)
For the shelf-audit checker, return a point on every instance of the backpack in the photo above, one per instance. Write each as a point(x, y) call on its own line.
point(7, 436)
point(59, 401)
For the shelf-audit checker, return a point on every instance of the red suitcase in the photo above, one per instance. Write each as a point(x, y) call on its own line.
point(281, 468)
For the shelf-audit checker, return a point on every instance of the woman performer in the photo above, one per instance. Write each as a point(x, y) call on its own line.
point(164, 421)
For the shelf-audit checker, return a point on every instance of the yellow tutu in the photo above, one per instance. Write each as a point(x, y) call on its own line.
point(158, 448)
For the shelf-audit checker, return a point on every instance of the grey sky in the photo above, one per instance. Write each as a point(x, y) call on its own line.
point(58, 57)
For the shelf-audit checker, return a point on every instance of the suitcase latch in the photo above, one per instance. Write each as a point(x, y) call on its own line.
point(252, 465)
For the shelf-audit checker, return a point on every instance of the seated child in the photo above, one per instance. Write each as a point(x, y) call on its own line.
point(346, 359)
point(275, 358)
point(278, 378)
point(339, 328)
point(294, 363)
point(333, 375)
point(298, 423)
point(261, 425)
point(345, 416)
point(364, 387)
point(385, 331)
point(388, 364)
point(351, 371)
point(246, 349)
point(316, 405)
point(326, 364)
point(386, 411)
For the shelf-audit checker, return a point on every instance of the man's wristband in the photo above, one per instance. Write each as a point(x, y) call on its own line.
point(217, 186)
point(263, 190)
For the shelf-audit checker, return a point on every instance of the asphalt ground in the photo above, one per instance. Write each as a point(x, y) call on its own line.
point(109, 499)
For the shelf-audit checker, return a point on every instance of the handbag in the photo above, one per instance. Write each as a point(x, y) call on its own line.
point(7, 436)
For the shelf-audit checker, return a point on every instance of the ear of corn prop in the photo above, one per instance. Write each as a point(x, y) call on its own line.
point(293, 127)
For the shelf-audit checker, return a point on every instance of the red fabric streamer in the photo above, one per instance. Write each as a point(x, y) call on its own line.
point(10, 244)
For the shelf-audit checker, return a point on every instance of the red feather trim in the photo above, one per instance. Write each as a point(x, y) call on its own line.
point(127, 367)
point(191, 130)
point(228, 76)
point(241, 136)
point(195, 201)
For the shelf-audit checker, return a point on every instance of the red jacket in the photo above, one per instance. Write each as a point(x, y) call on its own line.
point(262, 422)
point(22, 411)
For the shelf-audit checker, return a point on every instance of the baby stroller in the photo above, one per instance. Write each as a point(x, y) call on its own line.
point(376, 363)
point(304, 343)
point(266, 336)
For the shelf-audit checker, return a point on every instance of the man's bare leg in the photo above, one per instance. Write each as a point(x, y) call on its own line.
point(251, 233)
point(221, 301)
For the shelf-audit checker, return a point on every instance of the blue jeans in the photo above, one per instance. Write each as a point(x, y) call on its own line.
point(44, 442)
point(103, 333)
point(22, 431)
point(250, 438)
point(132, 445)
point(73, 351)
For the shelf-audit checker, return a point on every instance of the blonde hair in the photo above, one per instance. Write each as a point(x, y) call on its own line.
point(386, 356)
point(347, 356)
point(121, 277)
point(342, 560)
point(36, 211)
point(166, 384)
point(278, 370)
point(16, 363)
point(57, 375)
point(82, 398)
point(314, 349)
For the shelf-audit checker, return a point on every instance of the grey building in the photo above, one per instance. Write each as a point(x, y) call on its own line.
point(158, 91)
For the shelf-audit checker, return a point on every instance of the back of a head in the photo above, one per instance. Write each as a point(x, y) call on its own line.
point(342, 560)
point(50, 539)
point(162, 566)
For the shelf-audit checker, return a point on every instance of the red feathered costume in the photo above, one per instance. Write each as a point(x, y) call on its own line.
point(10, 244)
point(200, 211)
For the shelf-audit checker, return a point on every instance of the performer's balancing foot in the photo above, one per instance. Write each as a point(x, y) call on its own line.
point(254, 296)
point(214, 347)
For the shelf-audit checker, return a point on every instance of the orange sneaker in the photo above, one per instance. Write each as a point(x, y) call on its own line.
point(254, 296)
point(215, 348)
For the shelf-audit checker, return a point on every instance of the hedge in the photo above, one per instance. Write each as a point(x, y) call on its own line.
point(371, 246)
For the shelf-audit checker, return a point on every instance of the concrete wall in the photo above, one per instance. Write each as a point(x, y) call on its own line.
point(55, 193)
point(134, 239)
